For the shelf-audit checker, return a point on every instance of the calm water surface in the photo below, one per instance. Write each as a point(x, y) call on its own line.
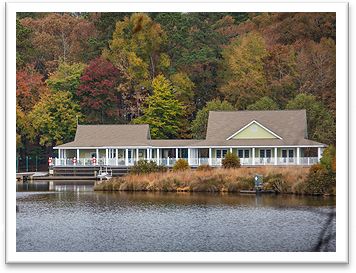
point(75, 218)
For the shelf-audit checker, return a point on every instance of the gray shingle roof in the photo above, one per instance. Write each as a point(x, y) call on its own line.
point(290, 125)
point(110, 135)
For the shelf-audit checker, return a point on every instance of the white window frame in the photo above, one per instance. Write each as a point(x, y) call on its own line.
point(244, 153)
point(222, 155)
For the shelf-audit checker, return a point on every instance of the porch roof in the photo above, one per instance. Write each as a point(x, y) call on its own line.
point(109, 135)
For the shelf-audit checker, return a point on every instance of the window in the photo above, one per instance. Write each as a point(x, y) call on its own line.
point(265, 153)
point(220, 153)
point(288, 155)
point(243, 153)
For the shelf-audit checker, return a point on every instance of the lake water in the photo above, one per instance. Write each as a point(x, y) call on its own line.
point(75, 218)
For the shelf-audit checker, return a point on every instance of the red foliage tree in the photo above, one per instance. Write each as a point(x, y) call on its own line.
point(98, 95)
point(29, 88)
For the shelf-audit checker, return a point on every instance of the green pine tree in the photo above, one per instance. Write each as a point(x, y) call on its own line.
point(163, 112)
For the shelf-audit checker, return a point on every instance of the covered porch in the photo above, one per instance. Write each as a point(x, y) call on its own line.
point(195, 156)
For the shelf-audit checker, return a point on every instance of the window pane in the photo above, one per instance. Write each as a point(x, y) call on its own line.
point(268, 153)
point(224, 152)
point(262, 153)
point(247, 153)
point(284, 153)
point(218, 153)
point(240, 153)
point(291, 153)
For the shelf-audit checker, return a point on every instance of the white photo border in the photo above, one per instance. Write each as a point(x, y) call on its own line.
point(342, 107)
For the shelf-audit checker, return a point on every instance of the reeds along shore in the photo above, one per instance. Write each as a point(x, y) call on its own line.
point(282, 180)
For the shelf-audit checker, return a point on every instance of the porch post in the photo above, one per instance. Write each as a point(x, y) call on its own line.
point(298, 156)
point(65, 156)
point(253, 156)
point(77, 155)
point(136, 154)
point(126, 157)
point(106, 156)
point(176, 153)
point(117, 157)
point(188, 156)
point(210, 159)
point(157, 156)
point(148, 154)
point(97, 155)
point(319, 154)
point(275, 156)
point(59, 154)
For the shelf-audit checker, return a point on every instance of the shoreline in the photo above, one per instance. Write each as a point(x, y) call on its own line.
point(279, 180)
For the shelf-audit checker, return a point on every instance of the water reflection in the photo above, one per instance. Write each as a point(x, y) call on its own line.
point(74, 218)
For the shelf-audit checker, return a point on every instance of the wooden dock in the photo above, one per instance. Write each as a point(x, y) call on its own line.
point(257, 192)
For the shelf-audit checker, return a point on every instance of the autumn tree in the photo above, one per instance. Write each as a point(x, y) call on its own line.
point(321, 124)
point(184, 91)
point(135, 50)
point(99, 98)
point(59, 37)
point(316, 66)
point(200, 123)
point(29, 88)
point(194, 46)
point(163, 112)
point(66, 78)
point(264, 103)
point(281, 73)
point(243, 77)
point(21, 131)
point(53, 120)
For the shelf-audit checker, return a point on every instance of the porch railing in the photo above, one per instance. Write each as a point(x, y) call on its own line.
point(87, 162)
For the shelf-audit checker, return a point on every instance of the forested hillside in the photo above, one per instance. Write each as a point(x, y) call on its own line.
point(169, 70)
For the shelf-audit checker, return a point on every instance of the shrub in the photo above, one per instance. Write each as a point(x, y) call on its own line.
point(320, 180)
point(181, 165)
point(277, 183)
point(144, 167)
point(204, 168)
point(328, 159)
point(231, 161)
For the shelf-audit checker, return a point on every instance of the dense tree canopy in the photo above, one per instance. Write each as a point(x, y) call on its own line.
point(321, 125)
point(162, 111)
point(66, 77)
point(244, 79)
point(97, 92)
point(53, 120)
point(29, 88)
point(169, 70)
point(264, 103)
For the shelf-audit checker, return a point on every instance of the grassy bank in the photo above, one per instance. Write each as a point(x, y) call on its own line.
point(283, 180)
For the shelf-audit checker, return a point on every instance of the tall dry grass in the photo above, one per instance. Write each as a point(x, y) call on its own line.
point(282, 179)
